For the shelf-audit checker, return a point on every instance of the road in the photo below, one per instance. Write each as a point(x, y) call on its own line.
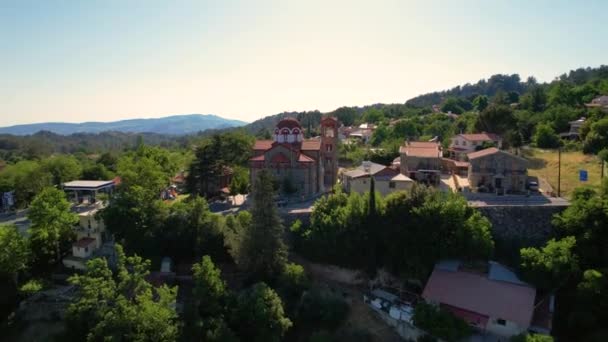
point(19, 219)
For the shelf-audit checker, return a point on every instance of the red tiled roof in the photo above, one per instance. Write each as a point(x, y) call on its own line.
point(483, 153)
point(289, 123)
point(471, 317)
point(422, 149)
point(480, 137)
point(311, 144)
point(84, 242)
point(262, 145)
point(478, 294)
point(305, 159)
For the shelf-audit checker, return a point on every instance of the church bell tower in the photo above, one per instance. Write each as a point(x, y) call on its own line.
point(329, 151)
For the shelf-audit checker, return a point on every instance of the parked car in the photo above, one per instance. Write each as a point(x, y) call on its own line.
point(533, 186)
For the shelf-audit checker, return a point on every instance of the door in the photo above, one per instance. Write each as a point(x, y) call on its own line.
point(498, 183)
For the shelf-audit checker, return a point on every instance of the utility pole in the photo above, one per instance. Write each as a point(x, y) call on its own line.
point(559, 171)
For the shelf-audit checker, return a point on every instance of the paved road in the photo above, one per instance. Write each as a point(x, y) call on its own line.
point(19, 219)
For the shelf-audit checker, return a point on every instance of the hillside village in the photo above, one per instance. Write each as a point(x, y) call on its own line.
point(421, 221)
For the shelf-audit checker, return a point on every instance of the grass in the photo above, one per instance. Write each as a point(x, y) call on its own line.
point(544, 164)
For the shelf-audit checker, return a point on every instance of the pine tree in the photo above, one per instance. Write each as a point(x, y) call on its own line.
point(264, 252)
point(372, 197)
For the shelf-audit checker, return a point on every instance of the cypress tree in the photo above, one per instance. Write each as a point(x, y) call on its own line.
point(265, 253)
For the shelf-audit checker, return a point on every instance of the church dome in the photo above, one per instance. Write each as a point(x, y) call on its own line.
point(288, 130)
point(290, 123)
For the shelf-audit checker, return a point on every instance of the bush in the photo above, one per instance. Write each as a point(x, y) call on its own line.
point(545, 137)
point(531, 338)
point(322, 309)
point(31, 287)
point(440, 323)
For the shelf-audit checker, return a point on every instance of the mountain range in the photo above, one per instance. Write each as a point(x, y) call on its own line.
point(175, 125)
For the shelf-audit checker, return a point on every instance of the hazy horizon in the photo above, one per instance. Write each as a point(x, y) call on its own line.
point(74, 61)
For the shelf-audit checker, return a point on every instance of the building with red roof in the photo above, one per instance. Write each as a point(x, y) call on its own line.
point(421, 161)
point(461, 144)
point(499, 171)
point(310, 165)
point(492, 300)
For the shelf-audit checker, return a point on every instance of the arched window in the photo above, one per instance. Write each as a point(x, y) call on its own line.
point(285, 132)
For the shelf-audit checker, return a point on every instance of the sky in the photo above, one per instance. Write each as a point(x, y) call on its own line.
point(75, 61)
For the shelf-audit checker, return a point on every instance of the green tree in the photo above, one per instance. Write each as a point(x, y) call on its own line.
point(136, 216)
point(240, 181)
point(545, 137)
point(264, 253)
point(147, 168)
point(440, 323)
point(551, 266)
point(52, 226)
point(260, 316)
point(27, 178)
point(237, 227)
point(346, 115)
point(292, 283)
point(122, 306)
point(14, 254)
point(190, 229)
point(209, 289)
point(480, 102)
point(496, 119)
point(97, 172)
point(63, 168)
point(597, 137)
point(534, 100)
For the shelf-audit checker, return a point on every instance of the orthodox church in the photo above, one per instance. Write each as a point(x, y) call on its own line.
point(308, 166)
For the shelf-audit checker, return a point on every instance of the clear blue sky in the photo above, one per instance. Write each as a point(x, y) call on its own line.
point(106, 60)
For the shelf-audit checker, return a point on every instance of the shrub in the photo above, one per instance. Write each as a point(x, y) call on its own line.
point(440, 323)
point(31, 287)
point(322, 308)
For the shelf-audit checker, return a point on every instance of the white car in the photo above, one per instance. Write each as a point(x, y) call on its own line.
point(533, 186)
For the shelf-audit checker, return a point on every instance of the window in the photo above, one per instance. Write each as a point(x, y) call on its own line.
point(501, 321)
point(86, 249)
point(329, 148)
point(391, 185)
point(464, 143)
point(329, 132)
point(456, 142)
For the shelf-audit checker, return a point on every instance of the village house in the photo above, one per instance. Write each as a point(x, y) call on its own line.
point(92, 240)
point(90, 236)
point(386, 179)
point(600, 102)
point(462, 144)
point(575, 127)
point(492, 300)
point(421, 161)
point(494, 170)
point(309, 166)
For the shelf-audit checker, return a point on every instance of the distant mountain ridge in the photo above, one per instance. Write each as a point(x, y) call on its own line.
point(174, 125)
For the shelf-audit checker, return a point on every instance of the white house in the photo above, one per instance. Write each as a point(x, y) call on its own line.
point(386, 179)
point(89, 238)
point(461, 144)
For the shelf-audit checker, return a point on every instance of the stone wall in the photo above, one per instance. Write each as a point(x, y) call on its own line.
point(529, 222)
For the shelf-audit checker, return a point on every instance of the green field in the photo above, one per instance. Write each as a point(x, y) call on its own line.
point(544, 164)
